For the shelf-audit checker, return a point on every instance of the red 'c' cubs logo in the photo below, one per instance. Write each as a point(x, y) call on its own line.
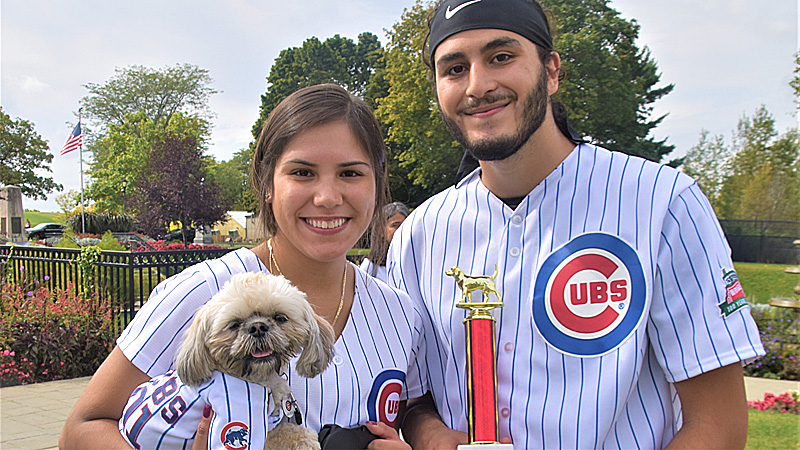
point(590, 295)
point(383, 402)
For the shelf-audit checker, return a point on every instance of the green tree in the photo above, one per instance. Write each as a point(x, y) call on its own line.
point(127, 148)
point(708, 163)
point(158, 94)
point(611, 83)
point(764, 183)
point(795, 83)
point(336, 60)
point(233, 177)
point(68, 201)
point(23, 152)
point(421, 148)
point(173, 187)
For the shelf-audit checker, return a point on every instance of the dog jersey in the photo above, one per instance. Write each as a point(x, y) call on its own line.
point(376, 361)
point(163, 413)
point(617, 282)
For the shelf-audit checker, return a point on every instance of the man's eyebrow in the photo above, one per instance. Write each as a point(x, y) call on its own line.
point(500, 42)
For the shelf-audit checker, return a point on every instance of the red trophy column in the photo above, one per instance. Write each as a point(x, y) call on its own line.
point(481, 368)
point(482, 379)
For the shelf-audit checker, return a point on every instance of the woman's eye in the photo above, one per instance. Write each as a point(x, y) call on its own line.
point(302, 173)
point(351, 173)
point(280, 318)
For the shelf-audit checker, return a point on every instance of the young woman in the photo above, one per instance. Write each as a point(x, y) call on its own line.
point(375, 261)
point(320, 174)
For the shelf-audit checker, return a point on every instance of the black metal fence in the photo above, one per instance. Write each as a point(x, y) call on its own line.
point(123, 279)
point(763, 241)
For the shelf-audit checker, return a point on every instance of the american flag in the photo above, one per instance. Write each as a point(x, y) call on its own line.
point(74, 140)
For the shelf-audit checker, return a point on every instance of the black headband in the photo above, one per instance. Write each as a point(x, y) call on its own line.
point(520, 16)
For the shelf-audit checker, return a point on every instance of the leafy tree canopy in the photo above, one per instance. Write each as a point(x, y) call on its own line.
point(127, 149)
point(336, 60)
point(764, 176)
point(418, 141)
point(172, 187)
point(23, 152)
point(610, 83)
point(233, 177)
point(157, 94)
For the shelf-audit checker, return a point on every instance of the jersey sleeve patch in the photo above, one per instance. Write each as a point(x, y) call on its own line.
point(734, 294)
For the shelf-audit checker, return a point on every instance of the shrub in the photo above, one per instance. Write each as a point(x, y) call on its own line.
point(50, 335)
point(109, 242)
point(788, 402)
point(781, 343)
point(99, 223)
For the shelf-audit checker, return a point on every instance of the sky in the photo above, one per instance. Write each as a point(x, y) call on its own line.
point(725, 58)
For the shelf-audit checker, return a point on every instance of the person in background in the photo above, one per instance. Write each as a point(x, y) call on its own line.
point(375, 261)
point(624, 323)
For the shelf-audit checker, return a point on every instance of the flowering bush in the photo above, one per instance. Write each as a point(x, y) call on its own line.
point(160, 246)
point(788, 402)
point(782, 346)
point(51, 334)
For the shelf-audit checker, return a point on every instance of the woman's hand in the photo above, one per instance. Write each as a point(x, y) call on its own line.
point(388, 439)
point(201, 438)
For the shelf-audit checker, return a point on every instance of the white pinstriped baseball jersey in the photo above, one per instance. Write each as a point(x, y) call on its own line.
point(163, 413)
point(614, 273)
point(380, 272)
point(374, 364)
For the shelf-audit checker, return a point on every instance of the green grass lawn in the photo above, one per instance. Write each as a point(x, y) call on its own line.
point(773, 431)
point(764, 281)
point(37, 217)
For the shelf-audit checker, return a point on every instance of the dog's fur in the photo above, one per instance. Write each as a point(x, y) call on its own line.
point(250, 330)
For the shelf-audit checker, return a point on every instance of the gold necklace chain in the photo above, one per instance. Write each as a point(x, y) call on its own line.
point(344, 279)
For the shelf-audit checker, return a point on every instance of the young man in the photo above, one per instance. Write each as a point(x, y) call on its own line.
point(624, 325)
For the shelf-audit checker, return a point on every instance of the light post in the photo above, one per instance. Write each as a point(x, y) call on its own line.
point(124, 191)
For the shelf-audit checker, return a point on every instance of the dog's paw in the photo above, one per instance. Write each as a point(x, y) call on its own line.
point(288, 436)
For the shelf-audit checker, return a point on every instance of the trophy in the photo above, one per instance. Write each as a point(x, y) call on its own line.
point(481, 352)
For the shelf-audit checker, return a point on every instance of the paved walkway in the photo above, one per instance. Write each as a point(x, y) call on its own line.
point(31, 417)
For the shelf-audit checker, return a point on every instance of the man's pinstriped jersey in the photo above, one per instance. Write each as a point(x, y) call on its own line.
point(617, 281)
point(375, 363)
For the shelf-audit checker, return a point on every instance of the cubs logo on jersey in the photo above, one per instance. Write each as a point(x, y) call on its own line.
point(234, 436)
point(383, 402)
point(590, 295)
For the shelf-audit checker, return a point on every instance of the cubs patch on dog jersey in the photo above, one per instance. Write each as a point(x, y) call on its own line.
point(611, 271)
point(381, 347)
point(163, 413)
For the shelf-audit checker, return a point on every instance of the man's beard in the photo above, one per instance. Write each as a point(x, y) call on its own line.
point(499, 148)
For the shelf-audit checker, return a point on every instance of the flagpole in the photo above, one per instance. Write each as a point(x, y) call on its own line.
point(80, 156)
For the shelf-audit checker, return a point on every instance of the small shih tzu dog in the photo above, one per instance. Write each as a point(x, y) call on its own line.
point(234, 357)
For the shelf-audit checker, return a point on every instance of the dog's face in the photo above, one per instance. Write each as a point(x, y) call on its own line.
point(251, 329)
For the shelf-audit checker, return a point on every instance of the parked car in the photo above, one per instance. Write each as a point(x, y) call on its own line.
point(176, 235)
point(45, 230)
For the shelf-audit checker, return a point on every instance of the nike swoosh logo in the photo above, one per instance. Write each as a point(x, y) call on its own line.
point(448, 14)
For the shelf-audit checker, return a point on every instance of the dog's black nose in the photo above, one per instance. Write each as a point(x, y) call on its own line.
point(258, 329)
